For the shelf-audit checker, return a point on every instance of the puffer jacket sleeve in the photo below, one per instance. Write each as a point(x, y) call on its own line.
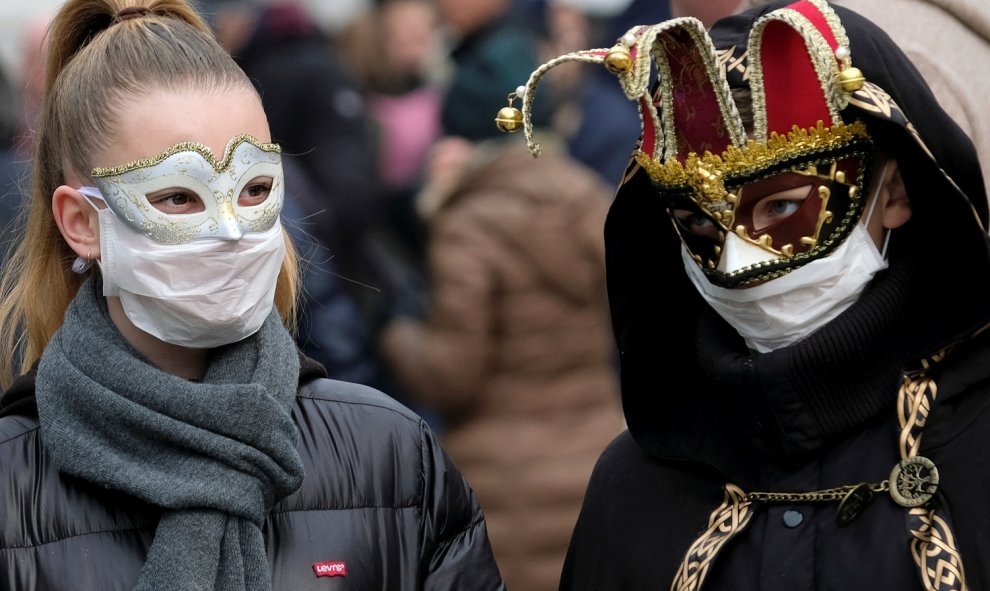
point(443, 361)
point(458, 553)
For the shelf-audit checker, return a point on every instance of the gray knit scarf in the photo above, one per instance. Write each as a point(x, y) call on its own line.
point(215, 455)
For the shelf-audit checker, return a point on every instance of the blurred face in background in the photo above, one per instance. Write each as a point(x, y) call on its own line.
point(408, 30)
point(568, 29)
point(233, 23)
point(464, 17)
point(709, 11)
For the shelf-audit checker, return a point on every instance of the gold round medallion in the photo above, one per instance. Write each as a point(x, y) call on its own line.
point(913, 481)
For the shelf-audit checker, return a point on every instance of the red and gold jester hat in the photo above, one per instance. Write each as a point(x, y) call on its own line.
point(718, 171)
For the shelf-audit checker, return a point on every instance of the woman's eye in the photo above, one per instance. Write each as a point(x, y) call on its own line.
point(176, 202)
point(696, 223)
point(255, 192)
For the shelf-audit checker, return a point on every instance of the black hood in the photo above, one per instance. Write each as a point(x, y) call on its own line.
point(690, 387)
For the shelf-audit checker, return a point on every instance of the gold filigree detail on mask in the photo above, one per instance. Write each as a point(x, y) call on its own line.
point(705, 174)
point(269, 213)
point(206, 153)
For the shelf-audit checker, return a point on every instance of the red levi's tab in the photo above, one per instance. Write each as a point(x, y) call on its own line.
point(330, 569)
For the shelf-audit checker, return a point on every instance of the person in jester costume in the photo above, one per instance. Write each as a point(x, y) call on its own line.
point(799, 280)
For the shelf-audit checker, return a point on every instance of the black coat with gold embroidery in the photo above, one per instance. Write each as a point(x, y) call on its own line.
point(710, 421)
point(642, 513)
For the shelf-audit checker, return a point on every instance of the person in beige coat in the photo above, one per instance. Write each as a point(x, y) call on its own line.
point(516, 352)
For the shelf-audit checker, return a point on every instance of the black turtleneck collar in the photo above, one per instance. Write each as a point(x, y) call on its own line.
point(796, 400)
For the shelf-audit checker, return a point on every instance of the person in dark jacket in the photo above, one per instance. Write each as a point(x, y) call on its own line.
point(165, 431)
point(492, 48)
point(798, 277)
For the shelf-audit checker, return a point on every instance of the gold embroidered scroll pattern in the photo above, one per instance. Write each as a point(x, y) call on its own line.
point(932, 544)
point(732, 60)
point(934, 550)
point(730, 518)
point(914, 404)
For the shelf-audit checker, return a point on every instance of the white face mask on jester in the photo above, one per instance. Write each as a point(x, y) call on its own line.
point(775, 299)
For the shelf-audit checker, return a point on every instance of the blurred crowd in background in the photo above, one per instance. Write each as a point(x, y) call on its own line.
point(444, 265)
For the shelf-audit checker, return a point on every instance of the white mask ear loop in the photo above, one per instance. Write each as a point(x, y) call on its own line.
point(886, 241)
point(874, 197)
point(90, 193)
point(876, 193)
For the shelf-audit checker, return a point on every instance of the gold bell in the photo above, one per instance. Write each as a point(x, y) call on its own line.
point(618, 60)
point(509, 119)
point(851, 79)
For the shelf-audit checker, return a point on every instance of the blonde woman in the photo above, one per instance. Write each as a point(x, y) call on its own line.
point(164, 432)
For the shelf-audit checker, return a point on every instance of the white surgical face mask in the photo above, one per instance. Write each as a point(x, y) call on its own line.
point(783, 311)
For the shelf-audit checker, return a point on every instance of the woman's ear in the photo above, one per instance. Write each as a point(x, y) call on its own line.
point(897, 206)
point(78, 222)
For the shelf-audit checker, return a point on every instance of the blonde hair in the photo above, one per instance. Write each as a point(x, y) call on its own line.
point(101, 53)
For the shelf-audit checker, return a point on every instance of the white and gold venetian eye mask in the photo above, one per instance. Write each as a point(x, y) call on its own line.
point(249, 168)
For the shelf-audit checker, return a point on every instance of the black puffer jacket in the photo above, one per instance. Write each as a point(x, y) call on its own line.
point(382, 506)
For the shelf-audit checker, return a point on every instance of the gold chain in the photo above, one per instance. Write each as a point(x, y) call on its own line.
point(816, 496)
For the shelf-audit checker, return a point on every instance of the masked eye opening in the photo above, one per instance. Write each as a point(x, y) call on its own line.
point(776, 207)
point(757, 218)
point(180, 201)
point(696, 223)
point(782, 213)
point(176, 201)
point(256, 191)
